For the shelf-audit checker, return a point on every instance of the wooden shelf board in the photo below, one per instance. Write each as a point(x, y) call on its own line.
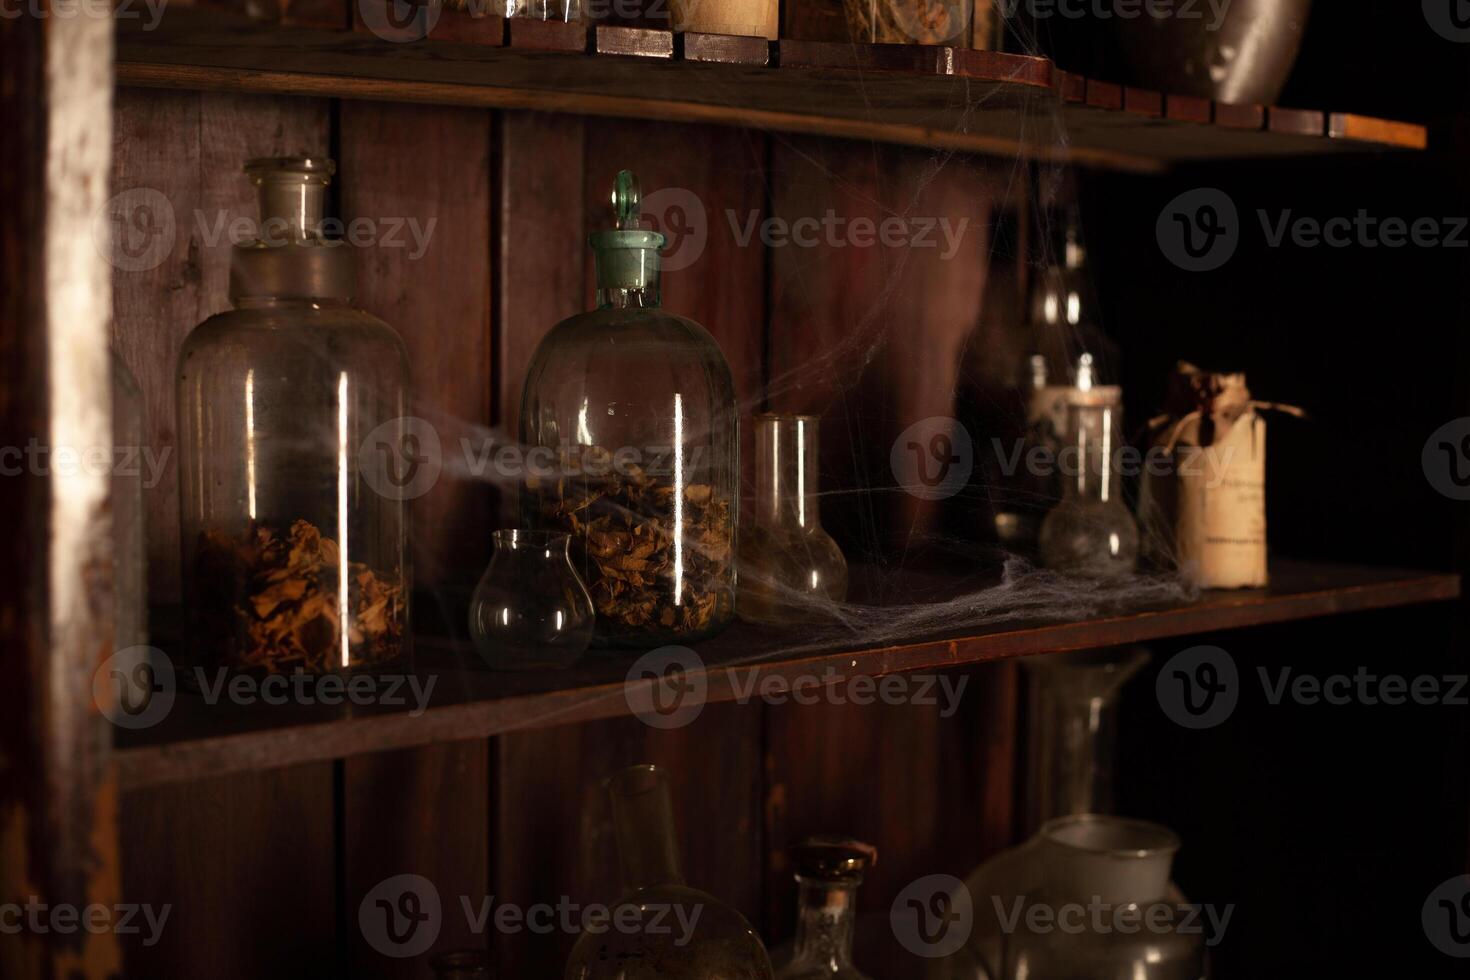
point(939, 97)
point(199, 740)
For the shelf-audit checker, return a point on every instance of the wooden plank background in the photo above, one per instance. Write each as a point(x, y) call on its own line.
point(267, 872)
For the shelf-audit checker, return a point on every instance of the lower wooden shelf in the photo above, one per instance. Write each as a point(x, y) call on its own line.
point(199, 739)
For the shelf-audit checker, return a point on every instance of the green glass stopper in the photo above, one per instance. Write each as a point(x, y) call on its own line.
point(625, 200)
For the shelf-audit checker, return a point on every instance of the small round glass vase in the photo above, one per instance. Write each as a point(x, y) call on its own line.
point(530, 609)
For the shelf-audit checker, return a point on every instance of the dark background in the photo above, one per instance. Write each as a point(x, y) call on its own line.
point(1326, 826)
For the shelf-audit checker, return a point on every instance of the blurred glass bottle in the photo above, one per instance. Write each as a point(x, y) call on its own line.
point(828, 873)
point(1091, 533)
point(719, 944)
point(790, 568)
point(1072, 730)
point(1061, 323)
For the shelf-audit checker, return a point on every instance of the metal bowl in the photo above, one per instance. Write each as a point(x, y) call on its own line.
point(1243, 53)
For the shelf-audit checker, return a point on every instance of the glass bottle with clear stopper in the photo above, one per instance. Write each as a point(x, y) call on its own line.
point(828, 873)
point(630, 425)
point(665, 929)
point(292, 467)
point(790, 568)
point(1091, 532)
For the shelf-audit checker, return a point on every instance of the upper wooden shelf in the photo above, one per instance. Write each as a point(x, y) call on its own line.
point(198, 739)
point(939, 97)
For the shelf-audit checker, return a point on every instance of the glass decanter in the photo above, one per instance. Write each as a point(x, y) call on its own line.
point(790, 567)
point(657, 907)
point(630, 424)
point(291, 407)
point(1090, 533)
point(530, 609)
point(828, 873)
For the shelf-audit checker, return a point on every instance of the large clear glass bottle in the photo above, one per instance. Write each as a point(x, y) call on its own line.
point(630, 422)
point(790, 568)
point(828, 873)
point(651, 942)
point(1091, 533)
point(290, 407)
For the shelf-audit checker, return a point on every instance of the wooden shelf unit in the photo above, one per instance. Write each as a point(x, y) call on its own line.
point(200, 739)
point(939, 97)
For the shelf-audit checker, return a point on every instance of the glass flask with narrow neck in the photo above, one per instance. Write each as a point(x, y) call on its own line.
point(828, 873)
point(293, 471)
point(790, 568)
point(630, 426)
point(1090, 533)
point(664, 929)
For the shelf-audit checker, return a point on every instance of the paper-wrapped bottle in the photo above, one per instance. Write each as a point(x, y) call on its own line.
point(1206, 510)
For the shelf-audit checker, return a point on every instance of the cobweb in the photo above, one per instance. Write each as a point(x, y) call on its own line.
point(921, 566)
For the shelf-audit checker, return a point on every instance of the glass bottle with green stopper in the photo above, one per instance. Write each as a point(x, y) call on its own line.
point(629, 425)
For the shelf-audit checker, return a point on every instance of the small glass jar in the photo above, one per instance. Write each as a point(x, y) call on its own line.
point(293, 529)
point(790, 568)
point(530, 609)
point(1090, 533)
point(828, 873)
point(630, 421)
point(718, 941)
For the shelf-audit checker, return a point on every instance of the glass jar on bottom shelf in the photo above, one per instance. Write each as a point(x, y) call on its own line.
point(719, 942)
point(1119, 864)
point(530, 609)
point(1122, 867)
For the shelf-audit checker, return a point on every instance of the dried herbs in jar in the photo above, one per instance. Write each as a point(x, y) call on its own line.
point(655, 560)
point(272, 603)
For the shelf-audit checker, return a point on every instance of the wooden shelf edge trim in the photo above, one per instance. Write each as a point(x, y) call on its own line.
point(281, 747)
point(149, 75)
